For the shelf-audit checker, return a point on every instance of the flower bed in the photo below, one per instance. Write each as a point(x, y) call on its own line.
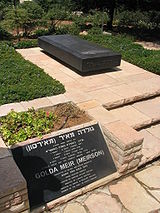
point(17, 127)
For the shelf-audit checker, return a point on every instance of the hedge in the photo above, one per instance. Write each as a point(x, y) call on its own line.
point(20, 80)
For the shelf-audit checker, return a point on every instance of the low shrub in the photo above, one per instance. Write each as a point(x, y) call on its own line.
point(26, 44)
point(21, 80)
point(95, 31)
point(138, 19)
point(40, 32)
point(131, 52)
point(4, 35)
point(18, 127)
point(72, 29)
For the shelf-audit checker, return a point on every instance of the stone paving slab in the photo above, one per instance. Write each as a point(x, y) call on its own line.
point(155, 130)
point(105, 95)
point(102, 115)
point(147, 85)
point(144, 176)
point(126, 78)
point(125, 91)
point(88, 105)
point(6, 108)
point(151, 146)
point(91, 83)
point(136, 200)
point(102, 203)
point(151, 108)
point(36, 103)
point(131, 116)
point(75, 207)
point(138, 193)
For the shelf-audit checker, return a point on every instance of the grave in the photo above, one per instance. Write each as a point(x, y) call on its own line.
point(63, 163)
point(82, 55)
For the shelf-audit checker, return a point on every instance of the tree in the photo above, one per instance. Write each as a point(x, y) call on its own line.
point(15, 19)
point(3, 5)
point(33, 9)
point(56, 14)
point(34, 14)
point(49, 4)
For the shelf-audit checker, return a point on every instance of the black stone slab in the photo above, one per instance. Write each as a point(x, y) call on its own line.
point(78, 53)
point(59, 165)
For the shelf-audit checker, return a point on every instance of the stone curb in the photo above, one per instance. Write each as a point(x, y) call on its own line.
point(36, 103)
point(131, 100)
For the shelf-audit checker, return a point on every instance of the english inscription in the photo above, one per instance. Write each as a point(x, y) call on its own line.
point(59, 165)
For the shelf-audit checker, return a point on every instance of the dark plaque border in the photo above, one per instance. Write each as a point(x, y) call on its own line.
point(58, 165)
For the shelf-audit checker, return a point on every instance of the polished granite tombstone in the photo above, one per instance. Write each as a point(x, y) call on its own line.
point(84, 56)
point(61, 164)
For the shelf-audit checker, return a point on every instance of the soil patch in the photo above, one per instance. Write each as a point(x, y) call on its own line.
point(68, 115)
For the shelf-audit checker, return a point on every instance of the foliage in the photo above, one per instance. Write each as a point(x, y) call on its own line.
point(21, 80)
point(4, 35)
point(40, 32)
point(18, 127)
point(34, 15)
point(80, 22)
point(15, 18)
point(3, 5)
point(93, 19)
point(131, 52)
point(97, 17)
point(95, 31)
point(25, 44)
point(58, 12)
point(33, 9)
point(138, 19)
point(47, 4)
point(72, 29)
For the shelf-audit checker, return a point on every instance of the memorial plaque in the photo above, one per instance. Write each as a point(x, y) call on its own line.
point(58, 165)
point(78, 53)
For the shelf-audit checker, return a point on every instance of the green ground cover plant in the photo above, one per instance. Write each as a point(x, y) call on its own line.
point(25, 44)
point(21, 80)
point(18, 127)
point(131, 52)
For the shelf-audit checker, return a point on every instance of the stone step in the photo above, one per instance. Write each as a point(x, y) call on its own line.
point(132, 91)
point(151, 143)
point(139, 114)
point(119, 102)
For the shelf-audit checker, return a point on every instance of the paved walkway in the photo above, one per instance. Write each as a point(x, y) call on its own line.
point(129, 94)
point(137, 193)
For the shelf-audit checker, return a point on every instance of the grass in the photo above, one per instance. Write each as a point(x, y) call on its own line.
point(21, 80)
point(131, 52)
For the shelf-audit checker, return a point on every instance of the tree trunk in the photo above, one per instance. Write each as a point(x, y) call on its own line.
point(18, 35)
point(111, 14)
